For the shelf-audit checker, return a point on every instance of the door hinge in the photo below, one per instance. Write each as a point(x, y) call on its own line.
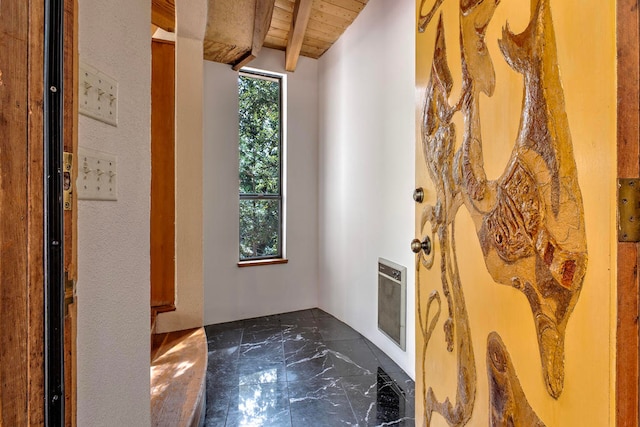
point(67, 179)
point(628, 210)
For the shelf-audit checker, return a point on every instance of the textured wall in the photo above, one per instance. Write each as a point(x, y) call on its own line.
point(233, 293)
point(113, 237)
point(588, 83)
point(367, 167)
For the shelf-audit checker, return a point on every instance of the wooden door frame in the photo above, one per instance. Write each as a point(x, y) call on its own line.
point(627, 340)
point(163, 197)
point(22, 220)
point(70, 138)
point(22, 212)
point(35, 218)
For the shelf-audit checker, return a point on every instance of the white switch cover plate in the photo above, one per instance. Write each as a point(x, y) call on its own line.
point(97, 175)
point(98, 95)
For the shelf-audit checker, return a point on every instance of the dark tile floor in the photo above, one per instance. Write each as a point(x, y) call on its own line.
point(304, 368)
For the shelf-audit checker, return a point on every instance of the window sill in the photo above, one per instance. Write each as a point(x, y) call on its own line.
point(257, 262)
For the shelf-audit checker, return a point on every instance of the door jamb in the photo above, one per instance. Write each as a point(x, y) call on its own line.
point(628, 166)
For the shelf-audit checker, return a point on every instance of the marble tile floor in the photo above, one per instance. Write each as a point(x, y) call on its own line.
point(304, 368)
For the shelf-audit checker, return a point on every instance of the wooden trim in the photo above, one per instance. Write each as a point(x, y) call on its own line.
point(261, 23)
point(627, 341)
point(70, 139)
point(14, 227)
point(163, 14)
point(244, 61)
point(21, 212)
point(70, 123)
point(73, 310)
point(301, 15)
point(169, 42)
point(164, 308)
point(35, 214)
point(628, 88)
point(70, 373)
point(154, 316)
point(163, 159)
point(627, 337)
point(75, 65)
point(258, 262)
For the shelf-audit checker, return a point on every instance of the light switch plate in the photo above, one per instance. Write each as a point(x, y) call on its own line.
point(98, 95)
point(97, 175)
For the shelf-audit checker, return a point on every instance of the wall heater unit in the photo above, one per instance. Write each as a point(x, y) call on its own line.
point(392, 301)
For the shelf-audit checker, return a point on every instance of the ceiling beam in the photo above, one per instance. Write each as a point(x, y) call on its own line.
point(163, 14)
point(261, 24)
point(301, 15)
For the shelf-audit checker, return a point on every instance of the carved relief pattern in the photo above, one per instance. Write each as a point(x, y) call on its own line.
point(438, 137)
point(529, 221)
point(508, 406)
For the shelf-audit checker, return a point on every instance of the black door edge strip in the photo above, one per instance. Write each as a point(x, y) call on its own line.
point(53, 215)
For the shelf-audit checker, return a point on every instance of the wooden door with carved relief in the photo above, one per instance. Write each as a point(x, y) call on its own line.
point(515, 229)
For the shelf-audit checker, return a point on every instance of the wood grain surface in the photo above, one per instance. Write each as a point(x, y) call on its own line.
point(163, 174)
point(627, 342)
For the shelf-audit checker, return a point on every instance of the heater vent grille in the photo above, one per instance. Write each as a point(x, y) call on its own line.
point(392, 301)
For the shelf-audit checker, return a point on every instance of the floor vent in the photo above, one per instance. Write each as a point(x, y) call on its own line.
point(392, 301)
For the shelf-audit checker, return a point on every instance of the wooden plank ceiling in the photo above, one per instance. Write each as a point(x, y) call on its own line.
point(236, 28)
point(163, 14)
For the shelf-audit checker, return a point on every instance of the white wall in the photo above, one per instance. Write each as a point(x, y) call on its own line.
point(367, 137)
point(113, 237)
point(231, 292)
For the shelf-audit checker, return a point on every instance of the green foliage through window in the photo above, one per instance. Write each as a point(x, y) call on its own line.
point(260, 180)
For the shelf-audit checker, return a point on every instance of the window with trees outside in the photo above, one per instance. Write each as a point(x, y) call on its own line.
point(261, 171)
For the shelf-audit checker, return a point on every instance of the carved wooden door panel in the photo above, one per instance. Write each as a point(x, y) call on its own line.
point(513, 254)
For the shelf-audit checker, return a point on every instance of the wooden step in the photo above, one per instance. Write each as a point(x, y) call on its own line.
point(178, 378)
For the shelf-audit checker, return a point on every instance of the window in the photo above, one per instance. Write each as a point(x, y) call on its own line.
point(261, 172)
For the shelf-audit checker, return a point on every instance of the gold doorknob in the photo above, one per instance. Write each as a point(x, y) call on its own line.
point(425, 246)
